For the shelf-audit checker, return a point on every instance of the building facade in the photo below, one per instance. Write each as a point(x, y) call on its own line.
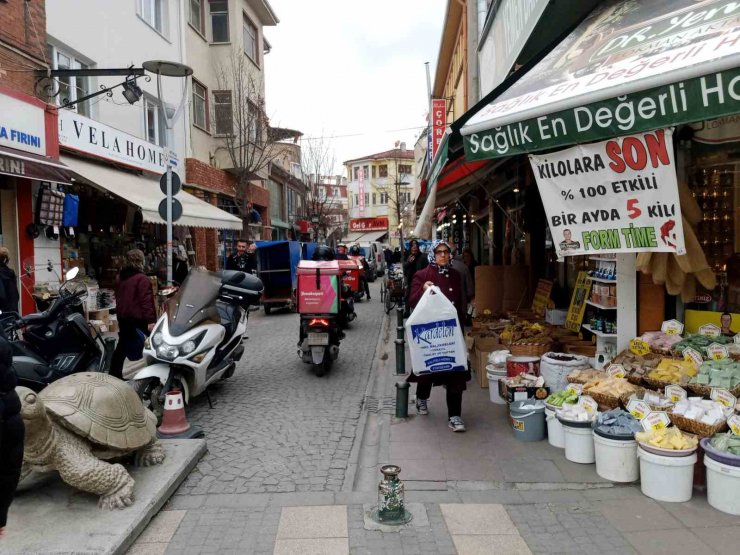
point(382, 188)
point(287, 190)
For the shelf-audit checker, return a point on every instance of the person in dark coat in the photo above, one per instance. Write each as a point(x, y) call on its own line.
point(471, 263)
point(415, 261)
point(12, 432)
point(440, 273)
point(134, 307)
point(244, 259)
point(8, 284)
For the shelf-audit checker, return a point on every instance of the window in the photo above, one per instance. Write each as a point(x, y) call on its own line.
point(373, 170)
point(255, 124)
point(383, 198)
point(195, 17)
point(374, 198)
point(154, 123)
point(200, 106)
point(356, 170)
point(152, 12)
point(336, 192)
point(222, 111)
point(219, 21)
point(71, 88)
point(366, 172)
point(227, 204)
point(357, 200)
point(383, 170)
point(403, 168)
point(367, 199)
point(276, 199)
point(250, 39)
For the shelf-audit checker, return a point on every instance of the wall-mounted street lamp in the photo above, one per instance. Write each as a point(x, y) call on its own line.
point(47, 83)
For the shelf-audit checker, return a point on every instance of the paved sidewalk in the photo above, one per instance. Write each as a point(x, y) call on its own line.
point(472, 493)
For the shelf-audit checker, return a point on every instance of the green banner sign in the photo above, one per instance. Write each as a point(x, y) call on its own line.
point(697, 99)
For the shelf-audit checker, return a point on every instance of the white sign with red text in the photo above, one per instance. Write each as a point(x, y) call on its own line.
point(614, 196)
point(439, 122)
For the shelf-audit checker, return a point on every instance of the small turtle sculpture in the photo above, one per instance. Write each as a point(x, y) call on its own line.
point(77, 423)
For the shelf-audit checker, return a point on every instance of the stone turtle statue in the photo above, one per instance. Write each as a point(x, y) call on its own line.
point(77, 423)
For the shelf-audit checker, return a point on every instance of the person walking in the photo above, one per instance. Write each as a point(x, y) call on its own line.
point(439, 272)
point(12, 432)
point(471, 263)
point(8, 284)
point(134, 307)
point(414, 262)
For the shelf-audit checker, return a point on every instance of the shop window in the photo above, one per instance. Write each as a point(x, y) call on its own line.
point(154, 123)
point(71, 88)
point(250, 39)
point(227, 204)
point(383, 170)
point(200, 106)
point(154, 13)
point(223, 112)
point(219, 21)
point(195, 15)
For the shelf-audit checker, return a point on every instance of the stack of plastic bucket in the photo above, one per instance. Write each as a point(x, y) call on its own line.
point(579, 441)
point(665, 477)
point(528, 420)
point(616, 456)
point(555, 433)
point(495, 373)
point(723, 479)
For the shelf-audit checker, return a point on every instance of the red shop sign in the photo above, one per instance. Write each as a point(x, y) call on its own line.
point(368, 224)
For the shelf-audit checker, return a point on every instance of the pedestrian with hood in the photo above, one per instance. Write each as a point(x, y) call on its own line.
point(440, 273)
point(12, 432)
point(135, 309)
point(8, 284)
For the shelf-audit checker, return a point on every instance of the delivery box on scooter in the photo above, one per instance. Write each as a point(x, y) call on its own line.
point(318, 287)
point(351, 272)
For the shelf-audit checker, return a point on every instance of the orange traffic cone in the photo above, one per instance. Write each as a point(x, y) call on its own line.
point(174, 422)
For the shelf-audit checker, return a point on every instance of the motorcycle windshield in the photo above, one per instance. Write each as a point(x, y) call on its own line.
point(195, 302)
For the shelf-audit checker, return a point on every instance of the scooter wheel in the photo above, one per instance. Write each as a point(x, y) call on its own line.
point(318, 369)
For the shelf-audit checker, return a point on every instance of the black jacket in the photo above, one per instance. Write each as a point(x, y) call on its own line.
point(419, 262)
point(246, 262)
point(11, 431)
point(8, 289)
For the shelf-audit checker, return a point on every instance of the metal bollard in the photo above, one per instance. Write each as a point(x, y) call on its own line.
point(399, 322)
point(402, 399)
point(400, 357)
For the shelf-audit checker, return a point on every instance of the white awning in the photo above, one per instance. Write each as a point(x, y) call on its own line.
point(144, 192)
point(364, 236)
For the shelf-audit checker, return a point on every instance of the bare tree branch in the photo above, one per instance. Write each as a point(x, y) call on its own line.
point(317, 163)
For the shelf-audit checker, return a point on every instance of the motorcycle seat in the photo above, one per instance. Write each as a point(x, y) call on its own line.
point(230, 315)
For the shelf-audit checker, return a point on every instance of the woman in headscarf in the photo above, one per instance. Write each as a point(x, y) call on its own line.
point(440, 273)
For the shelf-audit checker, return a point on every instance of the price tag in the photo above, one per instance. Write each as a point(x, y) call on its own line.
point(576, 388)
point(675, 393)
point(672, 327)
point(734, 423)
point(639, 347)
point(616, 371)
point(638, 409)
point(710, 330)
point(723, 396)
point(655, 421)
point(591, 406)
point(692, 355)
point(717, 351)
point(736, 339)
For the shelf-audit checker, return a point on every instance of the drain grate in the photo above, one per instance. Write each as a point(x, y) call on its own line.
point(384, 404)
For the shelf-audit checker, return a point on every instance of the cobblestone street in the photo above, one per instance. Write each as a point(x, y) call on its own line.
point(275, 427)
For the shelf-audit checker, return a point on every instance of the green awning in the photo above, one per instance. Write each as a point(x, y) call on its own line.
point(629, 67)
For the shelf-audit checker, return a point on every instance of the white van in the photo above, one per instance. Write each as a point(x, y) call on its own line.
point(375, 257)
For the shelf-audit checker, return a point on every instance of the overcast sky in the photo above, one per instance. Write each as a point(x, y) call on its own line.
point(348, 67)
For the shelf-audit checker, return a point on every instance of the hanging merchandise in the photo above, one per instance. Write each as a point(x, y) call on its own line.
point(70, 210)
point(49, 206)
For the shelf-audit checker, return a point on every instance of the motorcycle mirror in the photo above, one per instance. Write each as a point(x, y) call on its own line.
point(71, 273)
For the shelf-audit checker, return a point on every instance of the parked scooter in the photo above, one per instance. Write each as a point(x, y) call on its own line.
point(199, 338)
point(57, 342)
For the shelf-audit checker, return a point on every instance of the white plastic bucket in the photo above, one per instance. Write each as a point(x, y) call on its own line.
point(666, 478)
point(555, 435)
point(579, 445)
point(723, 486)
point(616, 459)
point(493, 390)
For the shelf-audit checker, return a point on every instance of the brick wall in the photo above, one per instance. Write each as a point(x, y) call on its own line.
point(19, 20)
point(206, 176)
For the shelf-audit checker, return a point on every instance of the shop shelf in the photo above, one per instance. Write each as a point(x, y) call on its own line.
point(601, 306)
point(599, 333)
point(600, 280)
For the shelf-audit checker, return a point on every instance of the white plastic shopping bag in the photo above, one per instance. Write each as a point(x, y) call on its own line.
point(434, 335)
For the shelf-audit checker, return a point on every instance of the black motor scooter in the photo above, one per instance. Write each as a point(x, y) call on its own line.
point(54, 343)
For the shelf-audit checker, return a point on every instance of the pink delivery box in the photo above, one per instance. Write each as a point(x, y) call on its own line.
point(318, 287)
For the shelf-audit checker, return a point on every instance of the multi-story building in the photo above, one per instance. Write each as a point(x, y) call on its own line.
point(381, 189)
point(228, 158)
point(287, 188)
point(120, 144)
point(327, 205)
